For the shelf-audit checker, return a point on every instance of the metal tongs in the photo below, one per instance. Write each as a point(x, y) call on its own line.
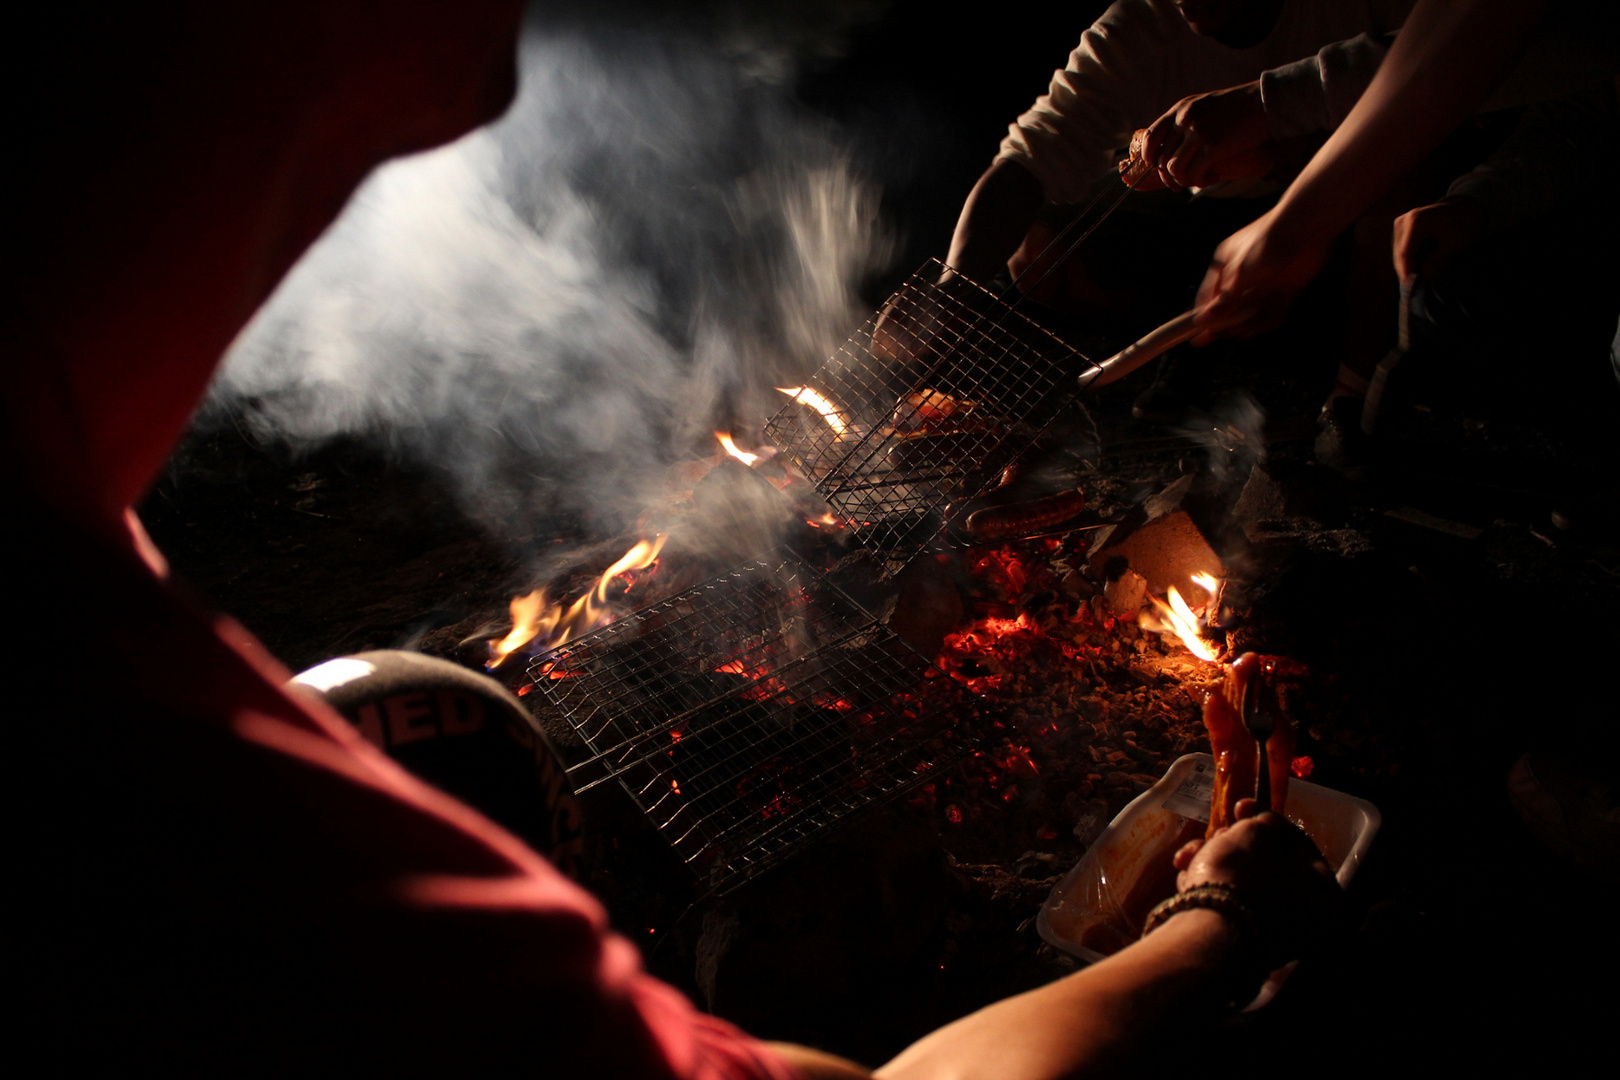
point(1139, 352)
point(1259, 711)
point(1132, 171)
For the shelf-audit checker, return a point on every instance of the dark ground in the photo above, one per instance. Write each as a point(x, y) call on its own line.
point(1450, 654)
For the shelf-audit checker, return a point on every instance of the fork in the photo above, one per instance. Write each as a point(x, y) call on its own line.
point(1260, 720)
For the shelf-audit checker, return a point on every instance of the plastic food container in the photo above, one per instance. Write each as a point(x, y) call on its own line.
point(1099, 906)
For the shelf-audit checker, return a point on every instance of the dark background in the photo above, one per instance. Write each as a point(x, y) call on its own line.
point(1474, 946)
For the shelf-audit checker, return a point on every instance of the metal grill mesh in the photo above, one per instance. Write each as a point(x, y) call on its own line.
point(747, 715)
point(956, 350)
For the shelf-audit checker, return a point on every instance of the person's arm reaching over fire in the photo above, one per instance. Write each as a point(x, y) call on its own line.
point(1165, 989)
point(1445, 61)
point(995, 218)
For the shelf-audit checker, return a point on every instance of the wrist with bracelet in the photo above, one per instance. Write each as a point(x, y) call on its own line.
point(1223, 899)
point(1251, 937)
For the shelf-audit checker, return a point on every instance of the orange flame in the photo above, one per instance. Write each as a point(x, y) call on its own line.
point(731, 448)
point(829, 412)
point(1178, 617)
point(534, 617)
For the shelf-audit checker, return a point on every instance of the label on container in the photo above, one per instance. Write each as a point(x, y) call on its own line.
point(1191, 797)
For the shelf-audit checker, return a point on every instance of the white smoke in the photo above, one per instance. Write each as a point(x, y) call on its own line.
point(1234, 436)
point(555, 306)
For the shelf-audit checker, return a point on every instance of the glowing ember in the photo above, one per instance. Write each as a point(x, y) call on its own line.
point(829, 412)
point(731, 448)
point(537, 619)
point(1177, 616)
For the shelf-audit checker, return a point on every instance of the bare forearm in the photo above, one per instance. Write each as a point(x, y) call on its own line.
point(997, 214)
point(1443, 64)
point(1094, 1022)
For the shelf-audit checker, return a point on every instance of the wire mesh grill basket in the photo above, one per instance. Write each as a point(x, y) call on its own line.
point(749, 714)
point(953, 386)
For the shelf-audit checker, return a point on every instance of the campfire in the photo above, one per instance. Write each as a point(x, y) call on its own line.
point(1042, 669)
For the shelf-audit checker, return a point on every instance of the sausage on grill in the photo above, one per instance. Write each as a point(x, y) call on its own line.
point(1021, 519)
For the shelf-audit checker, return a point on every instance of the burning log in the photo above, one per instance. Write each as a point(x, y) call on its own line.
point(541, 623)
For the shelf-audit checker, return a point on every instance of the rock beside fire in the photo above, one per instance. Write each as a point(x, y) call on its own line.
point(1126, 594)
point(1171, 498)
point(1279, 503)
point(1166, 551)
point(1261, 500)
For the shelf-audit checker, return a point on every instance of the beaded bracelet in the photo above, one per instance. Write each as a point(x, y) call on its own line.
point(1220, 898)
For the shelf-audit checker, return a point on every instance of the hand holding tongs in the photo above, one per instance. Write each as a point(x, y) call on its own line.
point(1259, 711)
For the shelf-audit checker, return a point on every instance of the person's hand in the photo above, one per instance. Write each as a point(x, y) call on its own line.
point(1429, 239)
point(1252, 280)
point(1207, 138)
point(1273, 867)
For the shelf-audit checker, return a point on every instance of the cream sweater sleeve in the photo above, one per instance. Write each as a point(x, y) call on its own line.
point(1110, 87)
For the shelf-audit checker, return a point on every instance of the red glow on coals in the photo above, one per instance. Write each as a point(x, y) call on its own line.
point(765, 686)
point(1001, 568)
point(1016, 760)
point(630, 577)
point(999, 644)
point(549, 670)
point(983, 652)
point(778, 806)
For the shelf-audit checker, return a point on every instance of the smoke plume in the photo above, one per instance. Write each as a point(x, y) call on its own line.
point(556, 306)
